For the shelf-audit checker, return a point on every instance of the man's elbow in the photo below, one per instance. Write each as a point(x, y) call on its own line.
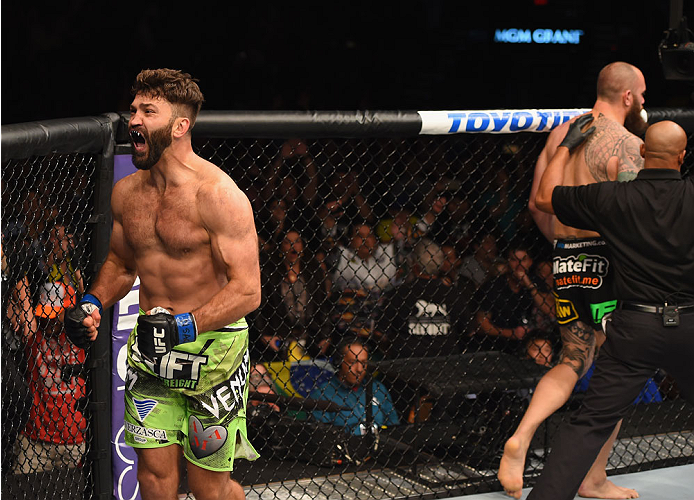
point(254, 300)
point(532, 208)
point(544, 203)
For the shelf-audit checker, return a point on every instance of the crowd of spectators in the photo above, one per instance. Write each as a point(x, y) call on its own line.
point(407, 266)
point(413, 264)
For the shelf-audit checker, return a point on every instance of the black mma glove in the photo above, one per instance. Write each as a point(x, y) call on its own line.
point(160, 331)
point(75, 316)
point(575, 137)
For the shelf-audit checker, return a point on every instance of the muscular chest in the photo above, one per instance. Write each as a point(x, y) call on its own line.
point(167, 222)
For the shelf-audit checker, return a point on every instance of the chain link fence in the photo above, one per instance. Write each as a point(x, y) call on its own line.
point(46, 203)
point(382, 257)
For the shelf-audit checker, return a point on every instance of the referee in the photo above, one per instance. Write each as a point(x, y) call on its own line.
point(648, 223)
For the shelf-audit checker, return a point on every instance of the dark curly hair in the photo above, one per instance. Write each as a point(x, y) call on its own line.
point(176, 87)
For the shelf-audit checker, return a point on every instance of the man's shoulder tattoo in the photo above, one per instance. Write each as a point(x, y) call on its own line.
point(609, 140)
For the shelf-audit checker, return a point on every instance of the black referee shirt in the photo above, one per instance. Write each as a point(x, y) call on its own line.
point(648, 223)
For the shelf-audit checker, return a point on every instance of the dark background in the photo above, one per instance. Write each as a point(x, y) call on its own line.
point(79, 57)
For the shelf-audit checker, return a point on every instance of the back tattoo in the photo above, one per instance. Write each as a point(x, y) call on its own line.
point(611, 139)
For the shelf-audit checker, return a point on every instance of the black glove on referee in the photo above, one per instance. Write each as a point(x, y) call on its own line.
point(575, 136)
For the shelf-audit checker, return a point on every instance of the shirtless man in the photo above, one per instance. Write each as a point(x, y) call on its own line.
point(583, 293)
point(184, 227)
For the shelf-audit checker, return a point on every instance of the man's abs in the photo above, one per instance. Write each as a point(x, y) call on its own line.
point(178, 285)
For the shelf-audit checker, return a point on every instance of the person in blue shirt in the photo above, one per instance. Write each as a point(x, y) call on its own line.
point(348, 388)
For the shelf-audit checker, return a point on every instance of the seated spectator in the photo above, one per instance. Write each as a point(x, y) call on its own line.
point(481, 265)
point(425, 316)
point(505, 304)
point(544, 319)
point(539, 346)
point(365, 264)
point(54, 434)
point(61, 264)
point(348, 387)
point(293, 302)
point(365, 271)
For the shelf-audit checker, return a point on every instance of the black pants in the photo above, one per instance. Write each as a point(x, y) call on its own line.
point(637, 344)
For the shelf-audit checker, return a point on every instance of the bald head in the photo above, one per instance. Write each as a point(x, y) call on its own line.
point(616, 78)
point(664, 146)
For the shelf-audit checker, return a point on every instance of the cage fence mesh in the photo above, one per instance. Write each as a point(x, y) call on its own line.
point(383, 262)
point(46, 206)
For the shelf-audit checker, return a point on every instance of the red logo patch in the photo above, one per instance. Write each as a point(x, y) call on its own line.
point(204, 441)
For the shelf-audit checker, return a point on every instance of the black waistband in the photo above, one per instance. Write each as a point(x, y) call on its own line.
point(652, 308)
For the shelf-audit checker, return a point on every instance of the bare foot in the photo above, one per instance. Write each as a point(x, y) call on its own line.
point(606, 489)
point(511, 468)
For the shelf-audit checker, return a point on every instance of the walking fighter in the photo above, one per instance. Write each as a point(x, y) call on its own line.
point(583, 293)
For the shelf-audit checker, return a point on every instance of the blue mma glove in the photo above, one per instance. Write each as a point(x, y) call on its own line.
point(160, 331)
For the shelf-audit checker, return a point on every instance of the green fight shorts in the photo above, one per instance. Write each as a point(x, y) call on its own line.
point(195, 397)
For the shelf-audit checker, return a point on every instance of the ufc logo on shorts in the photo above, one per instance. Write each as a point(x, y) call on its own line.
point(159, 344)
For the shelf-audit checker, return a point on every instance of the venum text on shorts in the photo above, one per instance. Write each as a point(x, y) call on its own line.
point(229, 394)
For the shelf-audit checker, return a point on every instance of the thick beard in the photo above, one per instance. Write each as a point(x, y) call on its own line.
point(159, 140)
point(633, 121)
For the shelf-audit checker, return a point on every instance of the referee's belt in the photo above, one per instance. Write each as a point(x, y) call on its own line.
point(650, 308)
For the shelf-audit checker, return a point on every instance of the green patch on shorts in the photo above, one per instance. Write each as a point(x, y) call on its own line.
point(599, 310)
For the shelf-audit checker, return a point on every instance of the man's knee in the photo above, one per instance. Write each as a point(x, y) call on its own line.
point(154, 484)
point(158, 472)
point(212, 485)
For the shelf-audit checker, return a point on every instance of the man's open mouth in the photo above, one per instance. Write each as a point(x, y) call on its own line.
point(138, 140)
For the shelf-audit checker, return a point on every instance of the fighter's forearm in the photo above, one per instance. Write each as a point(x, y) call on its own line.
point(113, 282)
point(229, 305)
point(552, 177)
